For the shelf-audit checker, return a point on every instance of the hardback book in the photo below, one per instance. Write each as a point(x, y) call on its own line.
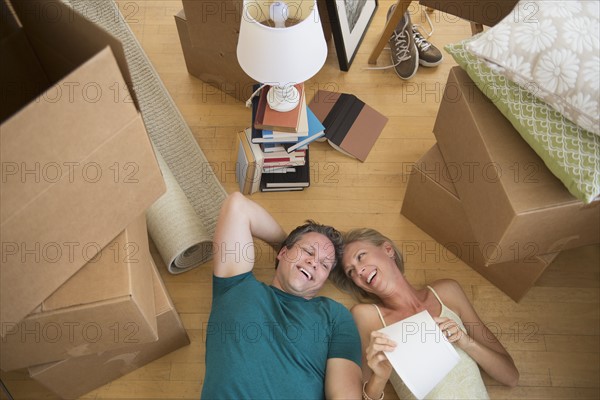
point(316, 130)
point(259, 103)
point(269, 134)
point(277, 170)
point(423, 356)
point(351, 126)
point(280, 189)
point(259, 137)
point(249, 164)
point(299, 178)
point(272, 147)
point(284, 163)
point(257, 134)
point(284, 155)
point(285, 159)
point(300, 133)
point(267, 118)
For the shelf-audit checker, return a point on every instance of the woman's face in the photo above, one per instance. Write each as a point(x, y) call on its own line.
point(368, 265)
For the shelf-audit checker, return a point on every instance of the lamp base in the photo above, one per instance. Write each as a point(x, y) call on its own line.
point(283, 98)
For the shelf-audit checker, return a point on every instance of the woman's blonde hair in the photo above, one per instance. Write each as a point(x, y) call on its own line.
point(343, 281)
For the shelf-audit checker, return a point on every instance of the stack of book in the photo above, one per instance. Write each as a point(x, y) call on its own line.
point(273, 153)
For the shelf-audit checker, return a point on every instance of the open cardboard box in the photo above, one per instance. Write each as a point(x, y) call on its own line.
point(77, 163)
point(73, 377)
point(431, 202)
point(514, 204)
point(107, 304)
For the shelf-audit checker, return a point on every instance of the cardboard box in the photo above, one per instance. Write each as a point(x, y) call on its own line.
point(74, 377)
point(514, 204)
point(431, 202)
point(8, 23)
point(208, 32)
point(210, 20)
point(213, 25)
point(77, 163)
point(485, 12)
point(215, 62)
point(107, 304)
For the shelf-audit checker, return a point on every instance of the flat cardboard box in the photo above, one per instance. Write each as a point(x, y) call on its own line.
point(485, 12)
point(215, 61)
point(73, 377)
point(514, 204)
point(107, 304)
point(431, 203)
point(77, 163)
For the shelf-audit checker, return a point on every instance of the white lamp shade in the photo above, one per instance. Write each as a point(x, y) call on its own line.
point(280, 56)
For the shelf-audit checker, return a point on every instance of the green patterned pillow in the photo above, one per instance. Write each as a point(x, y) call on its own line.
point(570, 152)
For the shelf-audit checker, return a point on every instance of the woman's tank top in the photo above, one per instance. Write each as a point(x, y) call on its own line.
point(462, 382)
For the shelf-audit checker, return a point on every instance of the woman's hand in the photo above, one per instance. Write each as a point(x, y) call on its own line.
point(376, 358)
point(453, 332)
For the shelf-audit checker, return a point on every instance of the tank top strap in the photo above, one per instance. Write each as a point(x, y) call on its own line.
point(446, 312)
point(380, 315)
point(436, 295)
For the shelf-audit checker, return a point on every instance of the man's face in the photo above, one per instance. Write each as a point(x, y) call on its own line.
point(304, 267)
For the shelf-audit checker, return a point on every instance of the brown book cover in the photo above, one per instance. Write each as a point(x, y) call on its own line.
point(260, 107)
point(351, 126)
point(322, 103)
point(269, 119)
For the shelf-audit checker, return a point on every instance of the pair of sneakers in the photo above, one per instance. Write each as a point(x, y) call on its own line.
point(410, 49)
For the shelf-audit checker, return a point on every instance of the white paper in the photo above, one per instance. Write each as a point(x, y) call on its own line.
point(423, 356)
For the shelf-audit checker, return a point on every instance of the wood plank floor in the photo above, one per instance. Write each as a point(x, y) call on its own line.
point(553, 333)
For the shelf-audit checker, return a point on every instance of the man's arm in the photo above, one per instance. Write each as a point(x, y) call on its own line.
point(343, 379)
point(239, 220)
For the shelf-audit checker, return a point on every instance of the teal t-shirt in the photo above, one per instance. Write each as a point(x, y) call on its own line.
point(263, 343)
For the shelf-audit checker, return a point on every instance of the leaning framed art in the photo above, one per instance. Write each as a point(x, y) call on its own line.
point(350, 20)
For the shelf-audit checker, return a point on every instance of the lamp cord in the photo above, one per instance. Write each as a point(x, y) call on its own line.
point(256, 92)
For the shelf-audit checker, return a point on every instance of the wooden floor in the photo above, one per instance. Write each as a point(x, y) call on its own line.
point(553, 333)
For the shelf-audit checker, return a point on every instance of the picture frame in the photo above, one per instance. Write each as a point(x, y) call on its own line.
point(349, 20)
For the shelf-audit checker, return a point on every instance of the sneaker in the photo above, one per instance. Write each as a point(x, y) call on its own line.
point(405, 56)
point(429, 55)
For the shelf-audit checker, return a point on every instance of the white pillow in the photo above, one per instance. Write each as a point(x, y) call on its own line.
point(550, 48)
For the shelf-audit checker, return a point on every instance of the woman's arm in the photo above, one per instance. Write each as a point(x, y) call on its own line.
point(479, 342)
point(376, 367)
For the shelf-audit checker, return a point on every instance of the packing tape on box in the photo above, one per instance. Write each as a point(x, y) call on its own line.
point(178, 233)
